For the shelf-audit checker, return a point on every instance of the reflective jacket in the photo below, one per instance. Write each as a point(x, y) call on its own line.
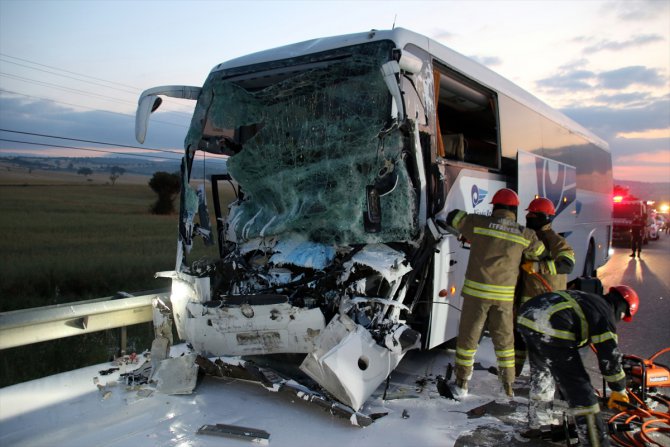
point(572, 319)
point(498, 244)
point(553, 269)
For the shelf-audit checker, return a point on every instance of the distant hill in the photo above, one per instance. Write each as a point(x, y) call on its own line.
point(102, 166)
point(659, 192)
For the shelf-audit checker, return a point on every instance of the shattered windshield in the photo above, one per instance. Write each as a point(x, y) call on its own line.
point(308, 137)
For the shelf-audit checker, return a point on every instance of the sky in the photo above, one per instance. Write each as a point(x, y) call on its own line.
point(75, 69)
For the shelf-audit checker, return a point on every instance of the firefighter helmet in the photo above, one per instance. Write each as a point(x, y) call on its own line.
point(542, 205)
point(506, 197)
point(630, 296)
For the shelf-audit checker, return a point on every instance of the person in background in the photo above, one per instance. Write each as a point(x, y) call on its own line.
point(554, 326)
point(637, 235)
point(498, 244)
point(544, 276)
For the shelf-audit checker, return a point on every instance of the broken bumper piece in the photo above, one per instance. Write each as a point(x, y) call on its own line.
point(273, 381)
point(349, 363)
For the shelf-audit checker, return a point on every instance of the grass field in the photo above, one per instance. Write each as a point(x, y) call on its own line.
point(65, 239)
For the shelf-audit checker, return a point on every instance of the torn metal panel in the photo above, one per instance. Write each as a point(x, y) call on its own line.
point(349, 363)
point(390, 263)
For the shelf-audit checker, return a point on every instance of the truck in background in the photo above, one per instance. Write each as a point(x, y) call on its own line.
point(626, 210)
point(345, 154)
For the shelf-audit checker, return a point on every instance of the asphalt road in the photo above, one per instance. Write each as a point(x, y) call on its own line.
point(649, 275)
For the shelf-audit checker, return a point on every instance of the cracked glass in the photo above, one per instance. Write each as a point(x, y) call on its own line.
point(307, 138)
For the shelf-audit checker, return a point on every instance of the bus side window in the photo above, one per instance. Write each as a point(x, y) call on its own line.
point(454, 146)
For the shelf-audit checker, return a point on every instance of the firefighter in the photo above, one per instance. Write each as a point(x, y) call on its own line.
point(637, 230)
point(554, 326)
point(547, 275)
point(498, 244)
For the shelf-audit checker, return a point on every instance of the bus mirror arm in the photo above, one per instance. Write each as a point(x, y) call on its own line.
point(149, 102)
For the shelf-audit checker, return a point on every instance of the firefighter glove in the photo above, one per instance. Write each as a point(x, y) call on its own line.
point(615, 400)
point(530, 266)
point(451, 216)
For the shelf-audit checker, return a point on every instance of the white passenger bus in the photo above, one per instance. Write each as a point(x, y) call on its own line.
point(344, 152)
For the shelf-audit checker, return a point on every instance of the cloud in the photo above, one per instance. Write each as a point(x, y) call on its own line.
point(636, 10)
point(607, 122)
point(633, 99)
point(568, 80)
point(660, 157)
point(626, 76)
point(166, 129)
point(635, 41)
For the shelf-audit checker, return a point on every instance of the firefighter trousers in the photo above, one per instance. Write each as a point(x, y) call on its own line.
point(498, 316)
point(565, 366)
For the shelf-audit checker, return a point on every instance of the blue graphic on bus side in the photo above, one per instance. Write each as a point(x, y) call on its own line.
point(562, 191)
point(477, 195)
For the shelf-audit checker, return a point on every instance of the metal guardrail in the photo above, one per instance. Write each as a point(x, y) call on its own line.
point(26, 326)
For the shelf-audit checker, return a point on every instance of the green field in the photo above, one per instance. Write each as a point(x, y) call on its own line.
point(65, 242)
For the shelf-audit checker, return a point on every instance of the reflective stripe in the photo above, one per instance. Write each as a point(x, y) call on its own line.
point(489, 287)
point(604, 337)
point(459, 217)
point(506, 363)
point(465, 357)
point(505, 353)
point(580, 313)
point(616, 377)
point(583, 411)
point(539, 250)
point(488, 291)
point(551, 266)
point(545, 329)
point(568, 254)
point(503, 235)
point(464, 362)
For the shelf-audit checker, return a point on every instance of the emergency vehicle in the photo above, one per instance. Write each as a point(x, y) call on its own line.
point(626, 210)
point(345, 153)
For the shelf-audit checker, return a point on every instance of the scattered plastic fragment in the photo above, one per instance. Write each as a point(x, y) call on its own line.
point(236, 431)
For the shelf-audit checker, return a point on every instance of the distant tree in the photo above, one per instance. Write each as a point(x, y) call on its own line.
point(115, 173)
point(85, 172)
point(70, 166)
point(167, 186)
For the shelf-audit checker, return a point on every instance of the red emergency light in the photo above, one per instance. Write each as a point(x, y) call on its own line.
point(617, 199)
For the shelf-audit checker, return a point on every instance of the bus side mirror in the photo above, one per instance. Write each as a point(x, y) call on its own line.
point(146, 106)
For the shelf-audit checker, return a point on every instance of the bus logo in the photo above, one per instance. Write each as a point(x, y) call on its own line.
point(562, 190)
point(477, 195)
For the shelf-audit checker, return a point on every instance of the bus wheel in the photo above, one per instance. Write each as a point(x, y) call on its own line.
point(590, 261)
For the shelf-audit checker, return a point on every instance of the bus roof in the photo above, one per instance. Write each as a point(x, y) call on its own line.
point(402, 37)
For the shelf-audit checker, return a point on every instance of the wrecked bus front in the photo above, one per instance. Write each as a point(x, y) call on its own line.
point(315, 250)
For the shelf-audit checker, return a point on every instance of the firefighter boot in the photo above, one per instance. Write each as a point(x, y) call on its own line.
point(509, 391)
point(591, 431)
point(460, 388)
point(540, 413)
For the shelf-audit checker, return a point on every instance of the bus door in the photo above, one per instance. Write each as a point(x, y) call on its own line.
point(471, 192)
